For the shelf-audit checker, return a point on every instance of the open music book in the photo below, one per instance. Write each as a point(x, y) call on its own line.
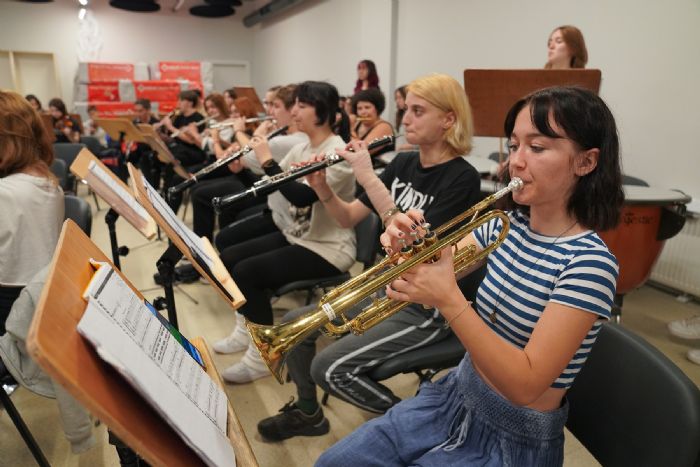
point(197, 249)
point(89, 168)
point(127, 335)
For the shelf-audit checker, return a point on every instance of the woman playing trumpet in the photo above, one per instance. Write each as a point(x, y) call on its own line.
point(547, 291)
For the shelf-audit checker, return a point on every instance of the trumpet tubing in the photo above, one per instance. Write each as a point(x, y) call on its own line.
point(274, 342)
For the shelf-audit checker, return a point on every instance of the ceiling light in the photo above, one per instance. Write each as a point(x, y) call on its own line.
point(212, 11)
point(83, 2)
point(135, 5)
point(81, 14)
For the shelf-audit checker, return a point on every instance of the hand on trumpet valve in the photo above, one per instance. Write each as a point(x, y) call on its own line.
point(402, 229)
point(431, 284)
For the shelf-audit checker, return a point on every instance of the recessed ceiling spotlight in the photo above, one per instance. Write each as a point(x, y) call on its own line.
point(135, 5)
point(212, 11)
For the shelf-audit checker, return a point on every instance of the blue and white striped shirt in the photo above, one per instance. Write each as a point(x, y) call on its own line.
point(529, 270)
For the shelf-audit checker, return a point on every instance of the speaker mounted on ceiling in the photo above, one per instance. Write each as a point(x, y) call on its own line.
point(141, 6)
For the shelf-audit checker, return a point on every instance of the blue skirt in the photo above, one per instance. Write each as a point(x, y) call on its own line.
point(458, 420)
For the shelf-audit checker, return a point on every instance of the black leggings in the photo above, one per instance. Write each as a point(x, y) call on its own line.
point(266, 261)
point(8, 295)
point(202, 209)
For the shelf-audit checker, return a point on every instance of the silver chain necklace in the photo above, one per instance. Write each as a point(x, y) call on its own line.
point(493, 317)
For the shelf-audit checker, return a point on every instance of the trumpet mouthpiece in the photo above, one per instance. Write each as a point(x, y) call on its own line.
point(515, 184)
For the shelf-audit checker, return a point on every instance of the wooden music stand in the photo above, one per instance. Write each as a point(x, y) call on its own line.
point(80, 167)
point(69, 359)
point(219, 277)
point(117, 128)
point(249, 92)
point(164, 155)
point(493, 92)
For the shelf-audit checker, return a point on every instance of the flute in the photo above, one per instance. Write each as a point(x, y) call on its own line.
point(247, 120)
point(219, 163)
point(271, 184)
point(197, 124)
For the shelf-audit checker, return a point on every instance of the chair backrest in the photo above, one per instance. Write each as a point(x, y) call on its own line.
point(78, 210)
point(93, 144)
point(67, 151)
point(630, 180)
point(60, 170)
point(631, 405)
point(367, 232)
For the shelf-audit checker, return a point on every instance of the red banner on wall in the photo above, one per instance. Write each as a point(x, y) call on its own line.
point(113, 109)
point(157, 90)
point(103, 92)
point(191, 71)
point(110, 71)
point(166, 107)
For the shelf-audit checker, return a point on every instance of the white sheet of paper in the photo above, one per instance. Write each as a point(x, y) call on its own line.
point(193, 242)
point(128, 336)
point(123, 194)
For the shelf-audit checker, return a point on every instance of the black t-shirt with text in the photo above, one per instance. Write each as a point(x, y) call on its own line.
point(442, 191)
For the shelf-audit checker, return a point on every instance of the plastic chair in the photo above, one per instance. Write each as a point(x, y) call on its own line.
point(93, 144)
point(60, 170)
point(78, 210)
point(367, 232)
point(67, 152)
point(632, 406)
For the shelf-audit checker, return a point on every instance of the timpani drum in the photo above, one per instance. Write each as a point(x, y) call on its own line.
point(649, 217)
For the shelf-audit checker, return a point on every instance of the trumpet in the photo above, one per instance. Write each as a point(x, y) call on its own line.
point(195, 177)
point(275, 342)
point(247, 120)
point(270, 184)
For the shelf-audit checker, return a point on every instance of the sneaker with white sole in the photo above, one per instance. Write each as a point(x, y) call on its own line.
point(241, 373)
point(291, 421)
point(237, 341)
point(685, 328)
point(694, 356)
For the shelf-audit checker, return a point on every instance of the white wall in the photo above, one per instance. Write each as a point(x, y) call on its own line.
point(647, 51)
point(126, 37)
point(323, 40)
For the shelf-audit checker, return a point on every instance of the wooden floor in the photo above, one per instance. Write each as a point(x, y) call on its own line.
point(202, 312)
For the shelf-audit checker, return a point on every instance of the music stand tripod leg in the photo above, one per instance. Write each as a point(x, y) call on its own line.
point(166, 268)
point(117, 251)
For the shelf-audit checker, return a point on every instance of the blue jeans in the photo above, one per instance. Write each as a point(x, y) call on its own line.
point(458, 420)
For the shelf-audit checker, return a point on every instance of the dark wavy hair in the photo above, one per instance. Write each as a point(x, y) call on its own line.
point(597, 198)
point(372, 95)
point(399, 112)
point(324, 97)
point(372, 76)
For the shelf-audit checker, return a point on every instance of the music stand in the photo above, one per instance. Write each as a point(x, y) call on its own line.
point(122, 202)
point(493, 92)
point(219, 277)
point(55, 344)
point(162, 151)
point(120, 129)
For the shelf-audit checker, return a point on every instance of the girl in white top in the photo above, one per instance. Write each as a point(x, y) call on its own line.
point(31, 202)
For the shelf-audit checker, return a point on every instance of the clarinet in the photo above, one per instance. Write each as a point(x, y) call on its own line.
point(271, 184)
point(219, 163)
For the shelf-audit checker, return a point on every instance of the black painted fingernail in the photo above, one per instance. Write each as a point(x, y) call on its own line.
point(413, 226)
point(400, 234)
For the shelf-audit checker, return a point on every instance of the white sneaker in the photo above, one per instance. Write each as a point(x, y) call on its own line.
point(237, 341)
point(686, 328)
point(250, 368)
point(694, 356)
point(240, 373)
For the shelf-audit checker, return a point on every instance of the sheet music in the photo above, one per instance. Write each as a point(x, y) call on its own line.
point(128, 336)
point(123, 194)
point(193, 242)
